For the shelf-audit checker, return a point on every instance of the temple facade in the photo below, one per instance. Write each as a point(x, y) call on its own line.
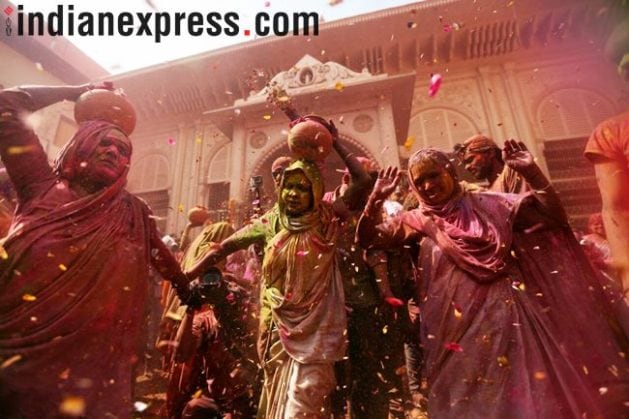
point(530, 70)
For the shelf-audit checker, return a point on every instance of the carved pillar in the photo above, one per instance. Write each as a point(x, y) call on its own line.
point(196, 166)
point(386, 128)
point(237, 163)
point(523, 124)
point(177, 219)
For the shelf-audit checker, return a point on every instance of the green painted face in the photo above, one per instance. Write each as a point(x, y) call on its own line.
point(296, 193)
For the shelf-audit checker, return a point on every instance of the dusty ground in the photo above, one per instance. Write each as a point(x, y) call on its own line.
point(150, 389)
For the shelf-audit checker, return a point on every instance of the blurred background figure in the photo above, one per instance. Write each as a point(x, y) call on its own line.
point(608, 149)
point(482, 157)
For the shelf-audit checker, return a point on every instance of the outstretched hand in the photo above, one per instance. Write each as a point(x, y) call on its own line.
point(517, 156)
point(279, 97)
point(385, 184)
point(106, 85)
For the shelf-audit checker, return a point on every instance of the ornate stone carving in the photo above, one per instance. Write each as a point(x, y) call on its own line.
point(258, 139)
point(363, 123)
point(310, 72)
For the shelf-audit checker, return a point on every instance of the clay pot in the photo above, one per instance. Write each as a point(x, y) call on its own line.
point(197, 216)
point(105, 105)
point(310, 140)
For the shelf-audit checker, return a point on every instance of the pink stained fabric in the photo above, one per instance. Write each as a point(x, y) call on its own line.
point(535, 338)
point(466, 232)
point(74, 284)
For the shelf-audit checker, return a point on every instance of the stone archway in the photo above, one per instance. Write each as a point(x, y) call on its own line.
point(384, 100)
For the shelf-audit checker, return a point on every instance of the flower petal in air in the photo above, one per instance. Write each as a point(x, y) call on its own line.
point(435, 84)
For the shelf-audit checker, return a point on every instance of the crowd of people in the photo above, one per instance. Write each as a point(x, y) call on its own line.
point(398, 292)
point(499, 277)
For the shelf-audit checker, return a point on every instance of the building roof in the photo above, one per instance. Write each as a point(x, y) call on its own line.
point(57, 55)
point(421, 37)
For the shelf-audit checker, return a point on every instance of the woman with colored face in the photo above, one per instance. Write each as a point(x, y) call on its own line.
point(75, 271)
point(108, 161)
point(509, 303)
point(302, 316)
point(296, 193)
point(98, 160)
point(302, 319)
point(433, 183)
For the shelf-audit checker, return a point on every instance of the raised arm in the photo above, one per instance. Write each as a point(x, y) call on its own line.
point(357, 191)
point(257, 232)
point(355, 195)
point(369, 232)
point(167, 266)
point(516, 155)
point(22, 154)
point(378, 261)
point(42, 96)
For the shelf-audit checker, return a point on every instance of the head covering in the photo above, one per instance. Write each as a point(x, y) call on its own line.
point(280, 163)
point(441, 159)
point(211, 234)
point(474, 230)
point(435, 155)
point(81, 146)
point(313, 174)
point(478, 144)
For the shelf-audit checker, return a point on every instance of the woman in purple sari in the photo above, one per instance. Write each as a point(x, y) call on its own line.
point(512, 326)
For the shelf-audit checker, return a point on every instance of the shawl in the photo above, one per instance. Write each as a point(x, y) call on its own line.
point(302, 286)
point(212, 233)
point(474, 230)
point(72, 288)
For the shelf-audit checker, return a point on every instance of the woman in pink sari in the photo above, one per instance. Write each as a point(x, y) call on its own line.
point(512, 326)
point(74, 268)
